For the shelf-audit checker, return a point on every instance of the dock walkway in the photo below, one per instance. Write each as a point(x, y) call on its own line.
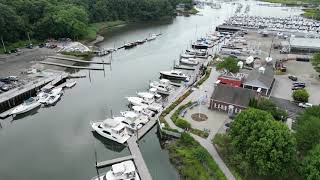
point(71, 66)
point(113, 161)
point(77, 60)
point(138, 159)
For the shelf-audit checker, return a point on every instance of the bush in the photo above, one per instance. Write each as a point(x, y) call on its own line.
point(182, 123)
point(229, 64)
point(310, 167)
point(300, 95)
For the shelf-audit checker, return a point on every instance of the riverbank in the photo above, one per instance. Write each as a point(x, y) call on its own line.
point(95, 29)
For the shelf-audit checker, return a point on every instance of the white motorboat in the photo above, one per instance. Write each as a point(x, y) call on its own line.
point(163, 86)
point(133, 120)
point(122, 171)
point(136, 101)
point(186, 55)
point(174, 74)
point(53, 98)
point(190, 61)
point(71, 84)
point(150, 96)
point(26, 106)
point(152, 37)
point(112, 129)
point(249, 60)
point(46, 93)
point(143, 110)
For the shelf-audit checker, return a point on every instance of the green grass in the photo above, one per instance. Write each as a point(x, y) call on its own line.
point(312, 13)
point(18, 44)
point(204, 78)
point(95, 28)
point(188, 11)
point(192, 160)
point(85, 55)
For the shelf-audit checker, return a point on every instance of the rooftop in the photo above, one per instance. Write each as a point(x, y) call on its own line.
point(306, 43)
point(260, 79)
point(233, 95)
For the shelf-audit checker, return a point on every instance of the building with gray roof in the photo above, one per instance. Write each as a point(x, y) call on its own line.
point(260, 80)
point(301, 44)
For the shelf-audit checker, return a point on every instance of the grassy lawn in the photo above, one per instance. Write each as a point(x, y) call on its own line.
point(95, 28)
point(192, 160)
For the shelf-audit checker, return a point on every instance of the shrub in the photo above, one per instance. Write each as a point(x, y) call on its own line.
point(300, 95)
point(182, 123)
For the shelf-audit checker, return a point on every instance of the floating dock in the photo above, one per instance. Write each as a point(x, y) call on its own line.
point(113, 161)
point(71, 66)
point(77, 60)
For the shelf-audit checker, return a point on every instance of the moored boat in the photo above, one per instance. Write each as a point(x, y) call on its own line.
point(26, 106)
point(174, 74)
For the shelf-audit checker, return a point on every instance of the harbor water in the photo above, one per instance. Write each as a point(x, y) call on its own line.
point(57, 143)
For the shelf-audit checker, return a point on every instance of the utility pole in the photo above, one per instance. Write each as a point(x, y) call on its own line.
point(4, 47)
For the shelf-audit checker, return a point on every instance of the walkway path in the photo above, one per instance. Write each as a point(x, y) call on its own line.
point(206, 143)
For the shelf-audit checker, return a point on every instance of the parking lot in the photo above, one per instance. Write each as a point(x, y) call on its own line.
point(305, 73)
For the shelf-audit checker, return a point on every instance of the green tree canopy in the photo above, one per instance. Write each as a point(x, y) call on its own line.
point(11, 25)
point(229, 64)
point(310, 167)
point(300, 95)
point(261, 145)
point(307, 128)
point(315, 61)
point(269, 106)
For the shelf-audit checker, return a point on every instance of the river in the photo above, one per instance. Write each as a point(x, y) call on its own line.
point(57, 142)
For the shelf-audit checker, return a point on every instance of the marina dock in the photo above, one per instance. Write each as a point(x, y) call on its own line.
point(14, 97)
point(71, 66)
point(113, 161)
point(138, 159)
point(77, 60)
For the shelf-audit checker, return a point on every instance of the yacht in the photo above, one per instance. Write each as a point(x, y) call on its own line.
point(112, 129)
point(133, 120)
point(26, 106)
point(190, 61)
point(143, 110)
point(149, 104)
point(163, 86)
point(121, 171)
point(150, 95)
point(174, 74)
point(187, 55)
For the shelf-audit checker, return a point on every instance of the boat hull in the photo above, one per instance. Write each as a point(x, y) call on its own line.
point(95, 127)
point(166, 76)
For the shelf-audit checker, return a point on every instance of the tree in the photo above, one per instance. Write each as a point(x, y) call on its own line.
point(229, 64)
point(315, 61)
point(310, 167)
point(11, 24)
point(300, 95)
point(261, 145)
point(271, 107)
point(307, 128)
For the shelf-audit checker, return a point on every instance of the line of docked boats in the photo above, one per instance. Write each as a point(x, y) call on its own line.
point(46, 97)
point(292, 23)
point(142, 41)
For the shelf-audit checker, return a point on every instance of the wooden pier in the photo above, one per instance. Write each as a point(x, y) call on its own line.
point(113, 161)
point(71, 66)
point(141, 166)
point(77, 60)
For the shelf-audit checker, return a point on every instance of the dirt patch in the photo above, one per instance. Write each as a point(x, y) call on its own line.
point(199, 117)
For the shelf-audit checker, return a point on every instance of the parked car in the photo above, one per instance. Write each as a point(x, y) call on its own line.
point(299, 84)
point(305, 105)
point(4, 86)
point(296, 87)
point(293, 78)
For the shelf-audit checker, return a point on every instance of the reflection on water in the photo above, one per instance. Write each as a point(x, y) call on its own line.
point(109, 144)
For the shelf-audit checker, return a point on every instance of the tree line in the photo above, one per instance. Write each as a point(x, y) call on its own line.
point(70, 18)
